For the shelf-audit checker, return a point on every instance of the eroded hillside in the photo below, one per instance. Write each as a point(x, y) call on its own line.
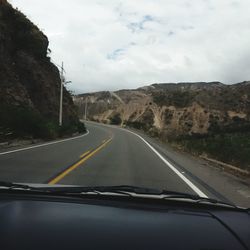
point(173, 109)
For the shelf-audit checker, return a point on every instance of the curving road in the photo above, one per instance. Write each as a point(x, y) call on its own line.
point(110, 155)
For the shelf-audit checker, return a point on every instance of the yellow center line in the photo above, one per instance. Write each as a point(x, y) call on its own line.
point(70, 169)
point(82, 155)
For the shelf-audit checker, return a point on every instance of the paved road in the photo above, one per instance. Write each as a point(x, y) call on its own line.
point(110, 156)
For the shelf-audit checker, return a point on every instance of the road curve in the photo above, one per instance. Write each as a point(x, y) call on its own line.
point(107, 155)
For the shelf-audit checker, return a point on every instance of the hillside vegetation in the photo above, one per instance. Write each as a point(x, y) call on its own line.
point(204, 118)
point(30, 83)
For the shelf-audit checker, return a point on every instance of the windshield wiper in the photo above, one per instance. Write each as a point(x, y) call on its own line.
point(5, 185)
point(125, 190)
point(78, 190)
point(12, 185)
point(135, 190)
point(104, 189)
point(195, 198)
point(162, 194)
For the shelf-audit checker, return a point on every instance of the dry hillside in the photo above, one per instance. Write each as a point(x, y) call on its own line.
point(173, 109)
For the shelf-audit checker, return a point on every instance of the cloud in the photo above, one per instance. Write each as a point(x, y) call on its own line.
point(116, 53)
point(111, 44)
point(139, 26)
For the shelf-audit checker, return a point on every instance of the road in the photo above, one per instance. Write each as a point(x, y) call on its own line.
point(109, 155)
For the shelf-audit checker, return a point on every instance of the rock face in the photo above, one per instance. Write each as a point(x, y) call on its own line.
point(174, 109)
point(27, 77)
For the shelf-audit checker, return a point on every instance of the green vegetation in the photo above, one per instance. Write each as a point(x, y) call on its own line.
point(71, 128)
point(178, 99)
point(116, 119)
point(231, 148)
point(24, 122)
point(136, 125)
point(145, 123)
point(146, 127)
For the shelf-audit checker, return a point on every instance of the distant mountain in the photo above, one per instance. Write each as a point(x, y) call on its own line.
point(29, 82)
point(187, 85)
point(172, 110)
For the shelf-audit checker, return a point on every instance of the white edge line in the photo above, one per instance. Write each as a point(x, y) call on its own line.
point(187, 181)
point(44, 144)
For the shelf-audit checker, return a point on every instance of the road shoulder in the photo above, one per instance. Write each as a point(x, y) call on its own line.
point(218, 181)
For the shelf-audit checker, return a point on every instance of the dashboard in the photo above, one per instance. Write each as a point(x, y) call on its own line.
point(35, 222)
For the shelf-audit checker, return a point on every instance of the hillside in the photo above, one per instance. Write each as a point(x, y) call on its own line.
point(180, 113)
point(30, 83)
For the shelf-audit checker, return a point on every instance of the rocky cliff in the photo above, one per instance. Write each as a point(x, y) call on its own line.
point(29, 82)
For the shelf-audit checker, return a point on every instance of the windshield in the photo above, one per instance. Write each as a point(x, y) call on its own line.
point(153, 95)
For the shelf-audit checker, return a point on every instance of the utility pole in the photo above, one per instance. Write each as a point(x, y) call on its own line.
point(86, 104)
point(63, 82)
point(61, 96)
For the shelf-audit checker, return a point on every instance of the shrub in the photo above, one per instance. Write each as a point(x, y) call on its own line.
point(116, 119)
point(232, 148)
point(24, 121)
point(27, 122)
point(178, 99)
point(135, 124)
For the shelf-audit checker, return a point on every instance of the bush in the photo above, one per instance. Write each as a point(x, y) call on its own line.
point(26, 122)
point(178, 99)
point(71, 128)
point(135, 124)
point(81, 127)
point(116, 119)
point(232, 148)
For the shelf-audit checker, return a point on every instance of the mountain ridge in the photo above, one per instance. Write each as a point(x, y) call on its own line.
point(194, 102)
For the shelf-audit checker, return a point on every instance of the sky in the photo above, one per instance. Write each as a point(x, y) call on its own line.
point(114, 44)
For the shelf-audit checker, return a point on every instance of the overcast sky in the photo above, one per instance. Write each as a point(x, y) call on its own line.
point(112, 44)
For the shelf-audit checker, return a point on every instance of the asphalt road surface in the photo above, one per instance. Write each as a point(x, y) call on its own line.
point(109, 155)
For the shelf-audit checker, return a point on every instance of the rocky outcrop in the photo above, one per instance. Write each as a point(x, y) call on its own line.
point(28, 80)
